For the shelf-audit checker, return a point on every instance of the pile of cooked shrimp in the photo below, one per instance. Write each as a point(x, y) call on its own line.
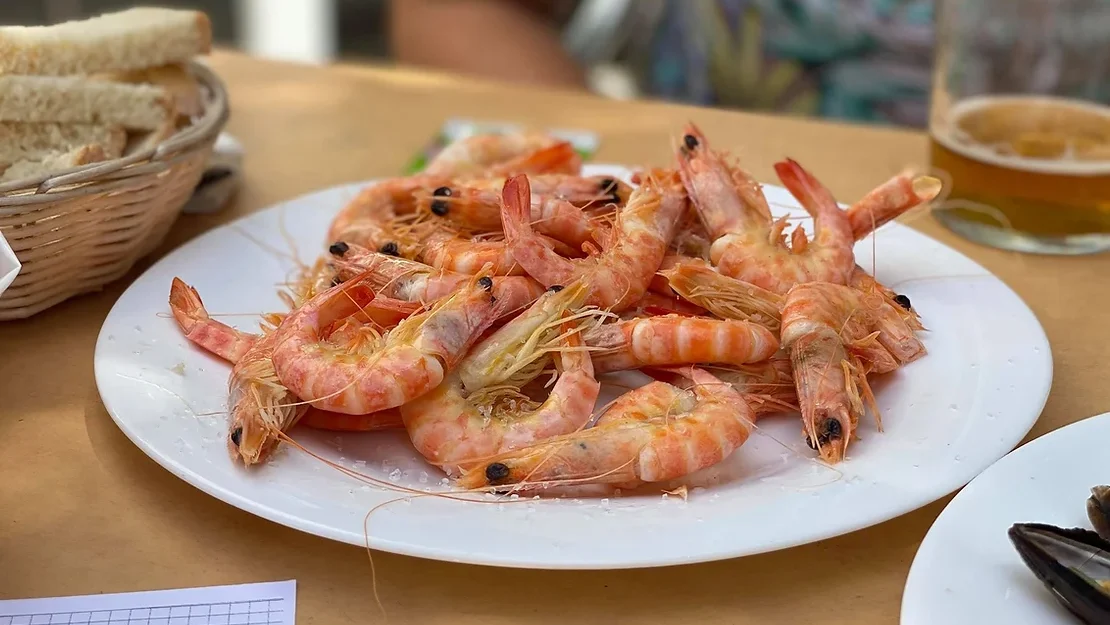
point(480, 303)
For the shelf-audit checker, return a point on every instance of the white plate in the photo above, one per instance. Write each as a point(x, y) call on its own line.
point(947, 417)
point(967, 571)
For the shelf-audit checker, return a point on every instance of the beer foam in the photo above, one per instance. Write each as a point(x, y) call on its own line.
point(957, 140)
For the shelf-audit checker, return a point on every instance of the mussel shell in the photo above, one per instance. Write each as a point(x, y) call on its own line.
point(1098, 509)
point(1056, 556)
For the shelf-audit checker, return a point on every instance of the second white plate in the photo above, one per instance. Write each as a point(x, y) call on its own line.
point(967, 572)
point(947, 417)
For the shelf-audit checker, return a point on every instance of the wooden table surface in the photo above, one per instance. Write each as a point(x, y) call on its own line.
point(82, 510)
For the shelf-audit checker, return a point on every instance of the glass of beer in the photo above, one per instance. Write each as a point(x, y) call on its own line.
point(1020, 124)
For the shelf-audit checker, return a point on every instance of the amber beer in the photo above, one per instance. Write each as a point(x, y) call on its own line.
point(1028, 172)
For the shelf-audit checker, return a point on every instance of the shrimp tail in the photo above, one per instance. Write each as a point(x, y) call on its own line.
point(528, 249)
point(201, 330)
point(811, 194)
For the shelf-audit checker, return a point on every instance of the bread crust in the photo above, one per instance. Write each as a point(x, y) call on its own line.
point(126, 40)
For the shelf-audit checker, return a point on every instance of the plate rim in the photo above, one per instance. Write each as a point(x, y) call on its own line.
point(276, 515)
point(1016, 455)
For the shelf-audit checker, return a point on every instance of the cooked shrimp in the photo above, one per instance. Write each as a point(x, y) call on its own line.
point(444, 250)
point(479, 411)
point(619, 275)
point(369, 218)
point(728, 298)
point(261, 408)
point(835, 335)
point(412, 281)
point(655, 433)
point(891, 199)
point(747, 245)
point(381, 371)
point(678, 340)
point(557, 204)
point(503, 155)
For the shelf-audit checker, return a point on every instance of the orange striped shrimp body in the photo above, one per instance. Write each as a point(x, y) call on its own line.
point(261, 408)
point(383, 371)
point(503, 155)
point(677, 340)
point(655, 433)
point(893, 198)
point(412, 281)
point(728, 298)
point(459, 423)
point(835, 335)
point(747, 245)
point(620, 274)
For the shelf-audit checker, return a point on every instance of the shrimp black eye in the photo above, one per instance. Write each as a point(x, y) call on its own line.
point(691, 142)
point(390, 248)
point(237, 435)
point(555, 288)
point(442, 192)
point(439, 207)
point(607, 183)
point(496, 472)
point(832, 429)
point(339, 248)
point(485, 282)
point(902, 301)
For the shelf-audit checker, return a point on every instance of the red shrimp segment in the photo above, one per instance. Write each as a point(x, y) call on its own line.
point(336, 422)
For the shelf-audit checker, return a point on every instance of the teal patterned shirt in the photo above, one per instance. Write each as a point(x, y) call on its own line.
point(857, 60)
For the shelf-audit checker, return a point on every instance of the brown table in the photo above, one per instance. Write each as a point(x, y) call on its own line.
point(82, 510)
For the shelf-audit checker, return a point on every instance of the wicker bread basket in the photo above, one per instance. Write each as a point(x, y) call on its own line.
point(79, 229)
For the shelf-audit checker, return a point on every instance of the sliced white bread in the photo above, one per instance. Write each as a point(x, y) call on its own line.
point(56, 161)
point(35, 141)
point(174, 78)
point(77, 100)
point(131, 39)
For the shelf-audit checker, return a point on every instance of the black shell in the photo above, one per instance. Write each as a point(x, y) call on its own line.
point(1056, 556)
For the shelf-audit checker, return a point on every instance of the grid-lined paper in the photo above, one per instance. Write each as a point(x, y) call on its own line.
point(272, 603)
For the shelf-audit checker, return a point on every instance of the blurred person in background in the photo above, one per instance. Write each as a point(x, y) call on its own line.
point(856, 60)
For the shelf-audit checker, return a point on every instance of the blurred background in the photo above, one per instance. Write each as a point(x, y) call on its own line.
point(857, 60)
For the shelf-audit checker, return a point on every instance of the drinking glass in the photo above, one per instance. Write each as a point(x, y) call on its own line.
point(1019, 123)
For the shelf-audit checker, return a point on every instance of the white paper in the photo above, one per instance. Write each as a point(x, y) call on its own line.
point(9, 265)
point(270, 603)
